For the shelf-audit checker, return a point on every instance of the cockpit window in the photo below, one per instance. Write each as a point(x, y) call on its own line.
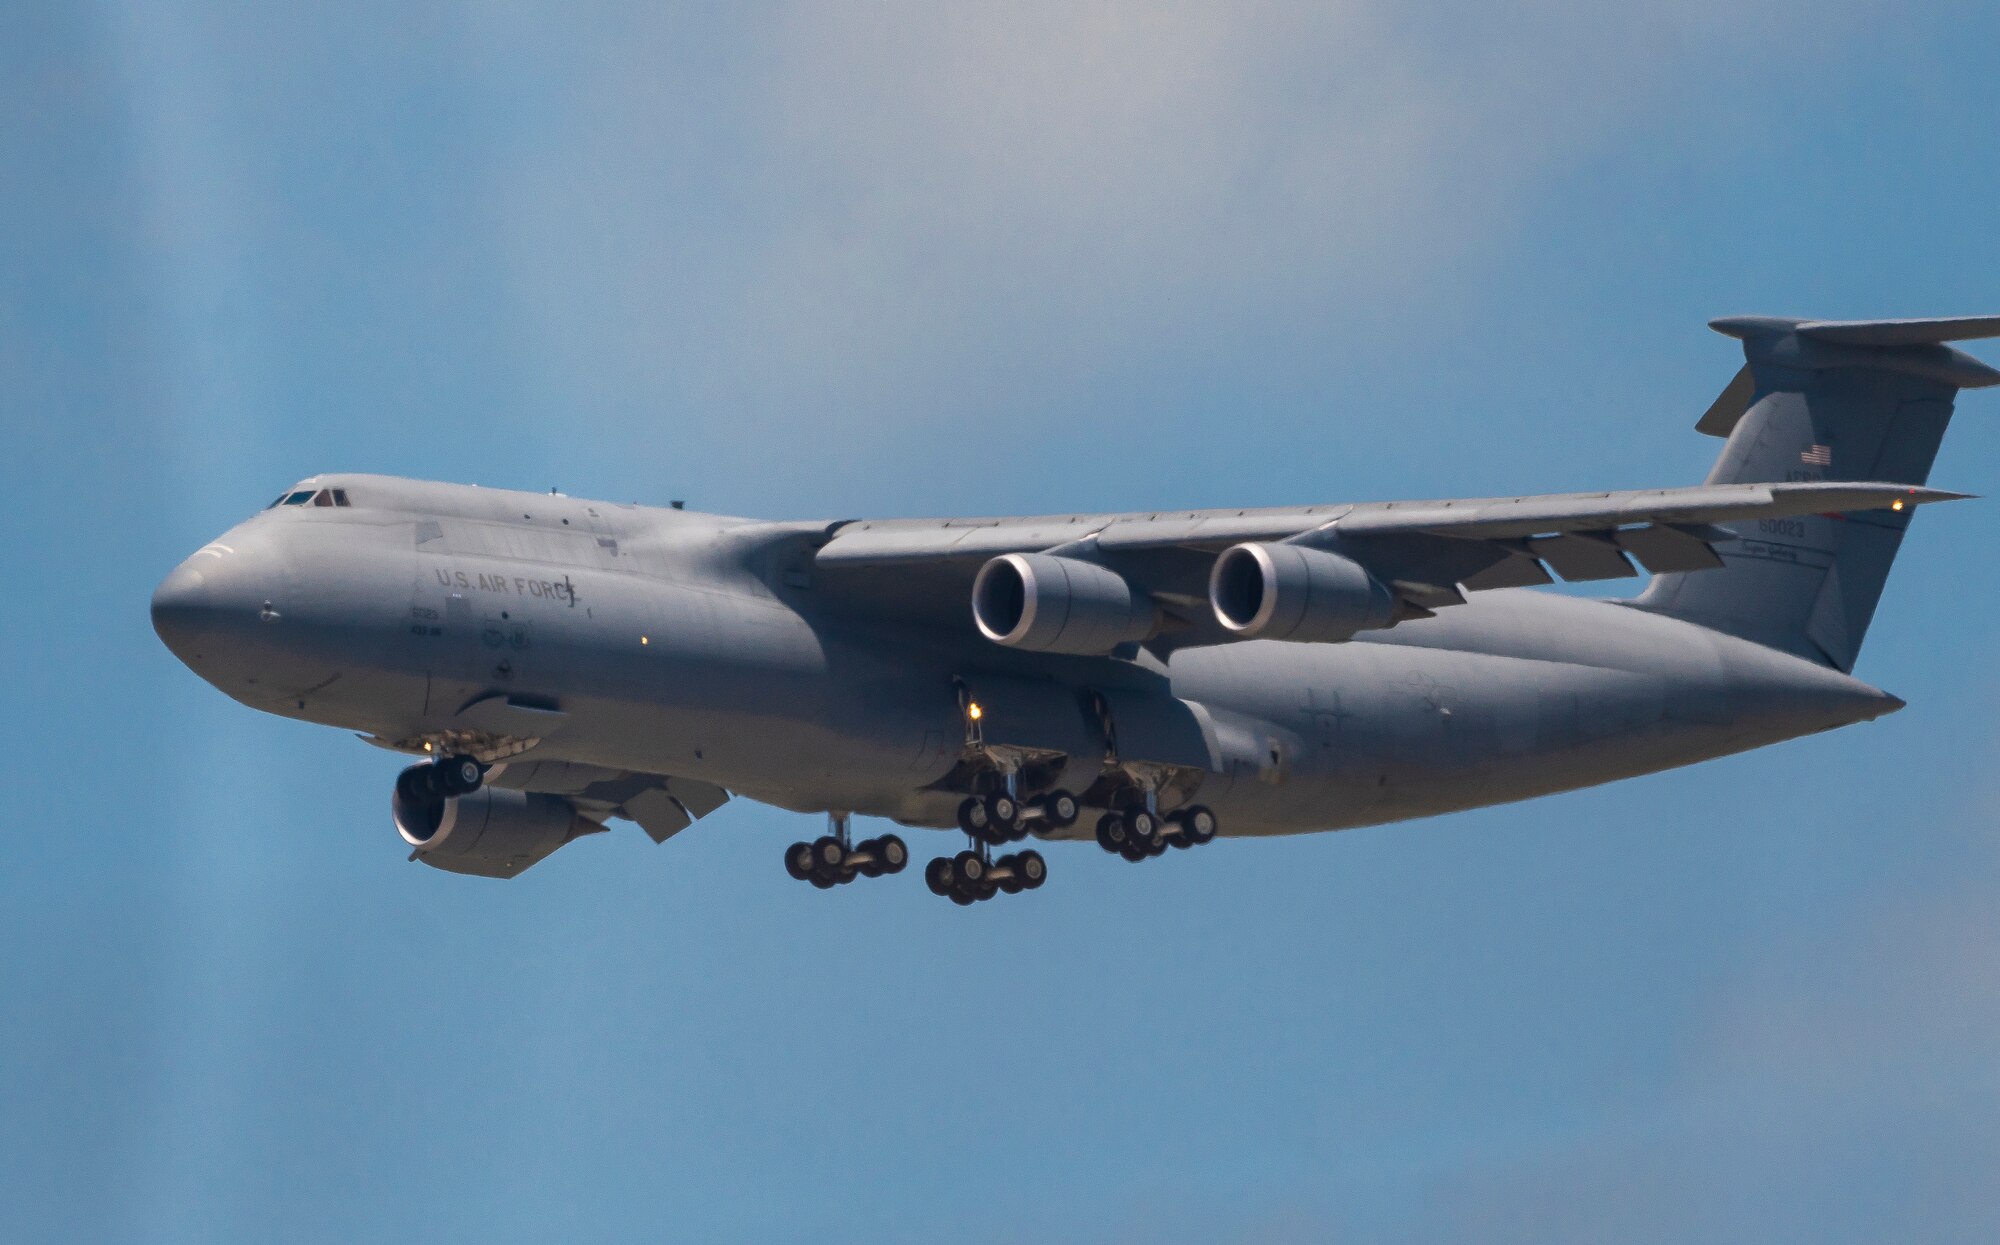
point(311, 497)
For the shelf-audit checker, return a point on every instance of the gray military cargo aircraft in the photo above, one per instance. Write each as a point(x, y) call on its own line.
point(1154, 680)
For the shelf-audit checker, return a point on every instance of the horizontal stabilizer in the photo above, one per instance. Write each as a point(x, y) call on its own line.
point(1901, 332)
point(1884, 334)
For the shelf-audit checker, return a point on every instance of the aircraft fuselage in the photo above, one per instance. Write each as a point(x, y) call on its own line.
point(676, 643)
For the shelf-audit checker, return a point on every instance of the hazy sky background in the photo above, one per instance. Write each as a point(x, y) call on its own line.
point(821, 260)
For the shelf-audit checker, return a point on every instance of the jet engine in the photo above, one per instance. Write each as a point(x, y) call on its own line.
point(1058, 605)
point(1293, 592)
point(493, 832)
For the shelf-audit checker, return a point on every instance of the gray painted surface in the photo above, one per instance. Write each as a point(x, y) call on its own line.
point(645, 662)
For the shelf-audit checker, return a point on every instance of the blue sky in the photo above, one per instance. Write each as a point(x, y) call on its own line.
point(819, 260)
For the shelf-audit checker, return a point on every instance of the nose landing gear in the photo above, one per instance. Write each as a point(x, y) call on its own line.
point(440, 780)
point(832, 859)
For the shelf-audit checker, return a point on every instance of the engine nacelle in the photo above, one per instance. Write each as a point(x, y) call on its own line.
point(1292, 592)
point(494, 832)
point(1058, 605)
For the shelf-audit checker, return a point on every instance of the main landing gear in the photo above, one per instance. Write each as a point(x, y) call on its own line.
point(1138, 833)
point(440, 780)
point(990, 821)
point(833, 859)
point(973, 874)
point(1002, 818)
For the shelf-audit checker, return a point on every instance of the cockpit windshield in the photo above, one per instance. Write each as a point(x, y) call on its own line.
point(321, 497)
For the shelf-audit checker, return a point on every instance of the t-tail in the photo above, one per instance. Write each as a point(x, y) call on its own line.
point(1822, 400)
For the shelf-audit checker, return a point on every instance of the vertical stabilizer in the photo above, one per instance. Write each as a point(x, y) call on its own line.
point(1822, 400)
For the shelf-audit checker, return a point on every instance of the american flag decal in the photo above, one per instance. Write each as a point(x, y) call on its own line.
point(1817, 456)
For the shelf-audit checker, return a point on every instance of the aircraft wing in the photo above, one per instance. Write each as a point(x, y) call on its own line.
point(1428, 552)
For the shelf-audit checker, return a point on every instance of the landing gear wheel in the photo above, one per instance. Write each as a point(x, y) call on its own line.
point(460, 775)
point(828, 856)
point(799, 861)
point(1112, 833)
point(1060, 809)
point(1144, 826)
point(1134, 851)
point(891, 854)
point(1012, 885)
point(1198, 824)
point(1003, 815)
point(973, 818)
point(971, 870)
point(1030, 870)
point(941, 876)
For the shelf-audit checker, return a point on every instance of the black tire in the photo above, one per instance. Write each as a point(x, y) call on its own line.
point(962, 899)
point(1060, 809)
point(1031, 869)
point(1003, 814)
point(973, 817)
point(941, 876)
point(1145, 827)
point(828, 855)
point(1133, 851)
point(1112, 833)
point(1199, 824)
point(460, 775)
point(1012, 883)
point(891, 854)
point(969, 868)
point(798, 861)
point(823, 882)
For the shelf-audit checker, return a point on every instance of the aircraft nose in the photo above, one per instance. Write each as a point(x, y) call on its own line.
point(180, 609)
point(212, 602)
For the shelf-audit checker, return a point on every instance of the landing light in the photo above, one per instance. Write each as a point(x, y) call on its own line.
point(1896, 504)
point(974, 712)
point(644, 640)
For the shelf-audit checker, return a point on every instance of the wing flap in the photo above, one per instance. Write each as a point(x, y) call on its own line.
point(1662, 549)
point(1578, 557)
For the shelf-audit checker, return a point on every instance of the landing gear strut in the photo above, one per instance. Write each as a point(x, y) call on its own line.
point(833, 858)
